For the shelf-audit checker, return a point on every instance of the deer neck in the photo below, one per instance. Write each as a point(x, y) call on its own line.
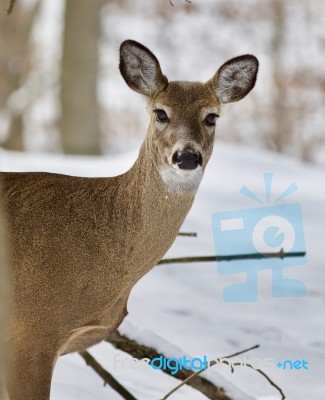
point(146, 182)
point(152, 214)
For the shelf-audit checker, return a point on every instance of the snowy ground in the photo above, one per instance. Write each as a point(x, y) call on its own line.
point(183, 303)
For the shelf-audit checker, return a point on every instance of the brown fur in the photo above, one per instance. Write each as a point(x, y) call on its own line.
point(79, 245)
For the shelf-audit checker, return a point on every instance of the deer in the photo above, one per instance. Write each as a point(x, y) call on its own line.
point(79, 245)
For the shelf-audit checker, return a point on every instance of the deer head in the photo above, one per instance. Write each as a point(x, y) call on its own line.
point(183, 115)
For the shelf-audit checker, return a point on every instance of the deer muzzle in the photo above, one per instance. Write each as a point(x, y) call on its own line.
point(187, 159)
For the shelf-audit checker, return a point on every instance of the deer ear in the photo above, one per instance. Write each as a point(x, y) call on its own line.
point(235, 78)
point(140, 68)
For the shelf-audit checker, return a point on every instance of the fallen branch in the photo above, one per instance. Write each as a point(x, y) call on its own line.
point(139, 351)
point(106, 376)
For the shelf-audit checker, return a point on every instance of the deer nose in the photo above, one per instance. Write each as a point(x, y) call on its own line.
point(187, 159)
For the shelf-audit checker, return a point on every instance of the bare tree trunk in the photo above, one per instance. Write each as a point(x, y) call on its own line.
point(14, 64)
point(282, 127)
point(15, 139)
point(4, 292)
point(79, 118)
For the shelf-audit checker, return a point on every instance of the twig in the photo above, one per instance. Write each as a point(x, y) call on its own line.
point(140, 351)
point(106, 376)
point(249, 256)
point(190, 234)
point(211, 363)
point(10, 6)
point(265, 376)
point(242, 351)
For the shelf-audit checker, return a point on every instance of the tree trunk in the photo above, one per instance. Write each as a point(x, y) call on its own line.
point(4, 292)
point(79, 105)
point(15, 139)
point(282, 127)
point(14, 64)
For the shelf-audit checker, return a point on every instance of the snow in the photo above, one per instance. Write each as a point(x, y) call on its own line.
point(183, 304)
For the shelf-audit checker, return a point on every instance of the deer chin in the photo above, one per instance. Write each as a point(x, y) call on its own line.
point(181, 181)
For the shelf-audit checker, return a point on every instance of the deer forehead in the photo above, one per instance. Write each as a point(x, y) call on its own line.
point(191, 98)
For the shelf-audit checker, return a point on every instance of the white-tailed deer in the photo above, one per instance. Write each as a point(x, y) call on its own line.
point(79, 245)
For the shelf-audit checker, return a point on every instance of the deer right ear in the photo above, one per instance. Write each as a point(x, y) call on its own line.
point(140, 68)
point(235, 78)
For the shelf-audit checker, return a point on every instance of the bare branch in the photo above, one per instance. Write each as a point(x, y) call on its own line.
point(265, 376)
point(190, 234)
point(106, 376)
point(248, 256)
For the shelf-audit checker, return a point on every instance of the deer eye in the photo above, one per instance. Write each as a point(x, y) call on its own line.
point(210, 119)
point(161, 115)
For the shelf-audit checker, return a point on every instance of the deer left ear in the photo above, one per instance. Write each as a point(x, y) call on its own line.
point(235, 78)
point(140, 68)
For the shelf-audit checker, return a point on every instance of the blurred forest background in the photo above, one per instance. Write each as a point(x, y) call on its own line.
point(61, 91)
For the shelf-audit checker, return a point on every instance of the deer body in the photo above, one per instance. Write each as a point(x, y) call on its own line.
point(79, 245)
point(111, 262)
